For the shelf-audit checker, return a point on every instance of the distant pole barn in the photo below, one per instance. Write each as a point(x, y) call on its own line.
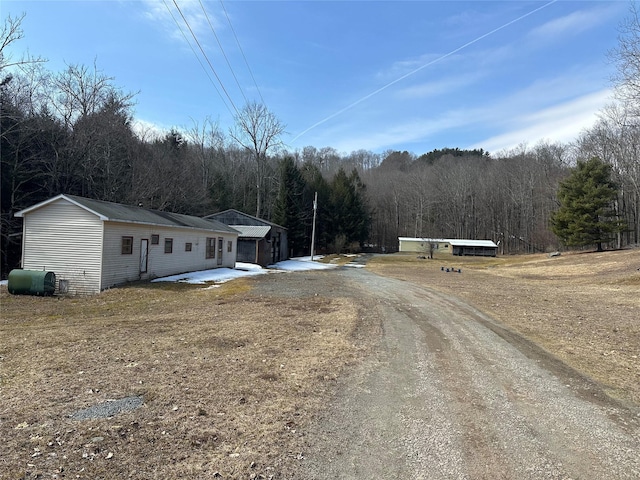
point(456, 247)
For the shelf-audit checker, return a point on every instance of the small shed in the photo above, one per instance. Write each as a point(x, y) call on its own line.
point(458, 247)
point(92, 245)
point(260, 241)
point(477, 248)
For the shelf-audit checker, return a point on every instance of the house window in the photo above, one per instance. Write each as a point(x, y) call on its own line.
point(127, 246)
point(211, 247)
point(187, 247)
point(155, 239)
point(229, 246)
point(168, 245)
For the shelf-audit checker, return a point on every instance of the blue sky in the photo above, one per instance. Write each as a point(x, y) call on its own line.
point(401, 75)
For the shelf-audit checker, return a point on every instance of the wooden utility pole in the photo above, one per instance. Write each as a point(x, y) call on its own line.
point(313, 229)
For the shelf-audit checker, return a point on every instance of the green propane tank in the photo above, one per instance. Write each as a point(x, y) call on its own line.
point(31, 282)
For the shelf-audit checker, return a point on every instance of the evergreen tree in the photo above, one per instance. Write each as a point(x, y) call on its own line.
point(586, 215)
point(316, 183)
point(351, 218)
point(289, 209)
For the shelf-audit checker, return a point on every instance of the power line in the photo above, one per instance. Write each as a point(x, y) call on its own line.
point(222, 50)
point(206, 57)
point(197, 57)
point(242, 52)
point(384, 87)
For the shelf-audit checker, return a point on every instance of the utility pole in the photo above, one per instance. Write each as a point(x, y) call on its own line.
point(313, 229)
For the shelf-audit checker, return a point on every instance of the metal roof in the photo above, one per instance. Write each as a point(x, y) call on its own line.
point(239, 215)
point(422, 239)
point(473, 243)
point(252, 231)
point(117, 212)
point(455, 242)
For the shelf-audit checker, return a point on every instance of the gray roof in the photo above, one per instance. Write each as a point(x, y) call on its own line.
point(473, 243)
point(423, 239)
point(455, 242)
point(236, 217)
point(117, 212)
point(252, 231)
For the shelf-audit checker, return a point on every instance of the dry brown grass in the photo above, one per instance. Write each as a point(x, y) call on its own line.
point(231, 379)
point(584, 307)
point(228, 380)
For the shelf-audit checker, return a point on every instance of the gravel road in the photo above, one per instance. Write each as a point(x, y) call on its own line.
point(450, 394)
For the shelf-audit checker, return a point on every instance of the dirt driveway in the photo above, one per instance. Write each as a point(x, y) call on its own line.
point(450, 394)
point(333, 374)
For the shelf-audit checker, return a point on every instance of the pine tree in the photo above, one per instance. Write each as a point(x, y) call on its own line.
point(289, 209)
point(586, 215)
point(351, 218)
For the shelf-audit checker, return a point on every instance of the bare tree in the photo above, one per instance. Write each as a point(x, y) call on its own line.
point(206, 140)
point(257, 130)
point(10, 33)
point(627, 57)
point(80, 91)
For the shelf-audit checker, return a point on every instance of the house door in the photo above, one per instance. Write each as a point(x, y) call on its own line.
point(144, 255)
point(220, 244)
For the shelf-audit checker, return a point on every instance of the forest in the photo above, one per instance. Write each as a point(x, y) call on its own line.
point(74, 132)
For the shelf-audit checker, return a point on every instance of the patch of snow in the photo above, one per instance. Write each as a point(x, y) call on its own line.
point(221, 275)
point(4, 282)
point(301, 264)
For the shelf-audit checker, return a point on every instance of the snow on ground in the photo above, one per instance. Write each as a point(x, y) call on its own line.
point(221, 275)
point(4, 282)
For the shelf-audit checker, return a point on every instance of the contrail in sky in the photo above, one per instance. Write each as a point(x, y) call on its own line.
point(452, 52)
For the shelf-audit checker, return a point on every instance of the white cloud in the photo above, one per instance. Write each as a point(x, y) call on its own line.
point(441, 87)
point(521, 118)
point(574, 23)
point(403, 133)
point(560, 123)
point(171, 19)
point(148, 130)
point(401, 68)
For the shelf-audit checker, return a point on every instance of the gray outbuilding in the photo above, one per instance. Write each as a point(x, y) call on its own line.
point(260, 241)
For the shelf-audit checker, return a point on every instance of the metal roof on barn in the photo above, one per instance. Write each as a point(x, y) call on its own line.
point(236, 217)
point(117, 212)
point(473, 243)
point(251, 231)
point(457, 242)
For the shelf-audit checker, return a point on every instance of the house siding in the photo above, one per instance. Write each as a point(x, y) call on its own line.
point(67, 240)
point(119, 268)
point(76, 239)
point(421, 245)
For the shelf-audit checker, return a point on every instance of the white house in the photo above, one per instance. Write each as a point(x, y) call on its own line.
point(91, 245)
point(423, 245)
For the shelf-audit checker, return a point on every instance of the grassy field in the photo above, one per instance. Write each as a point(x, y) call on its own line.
point(231, 378)
point(227, 380)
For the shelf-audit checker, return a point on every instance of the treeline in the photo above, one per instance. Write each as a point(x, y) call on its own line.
point(74, 132)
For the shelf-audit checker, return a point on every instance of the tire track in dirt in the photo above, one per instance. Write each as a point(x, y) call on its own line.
point(449, 393)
